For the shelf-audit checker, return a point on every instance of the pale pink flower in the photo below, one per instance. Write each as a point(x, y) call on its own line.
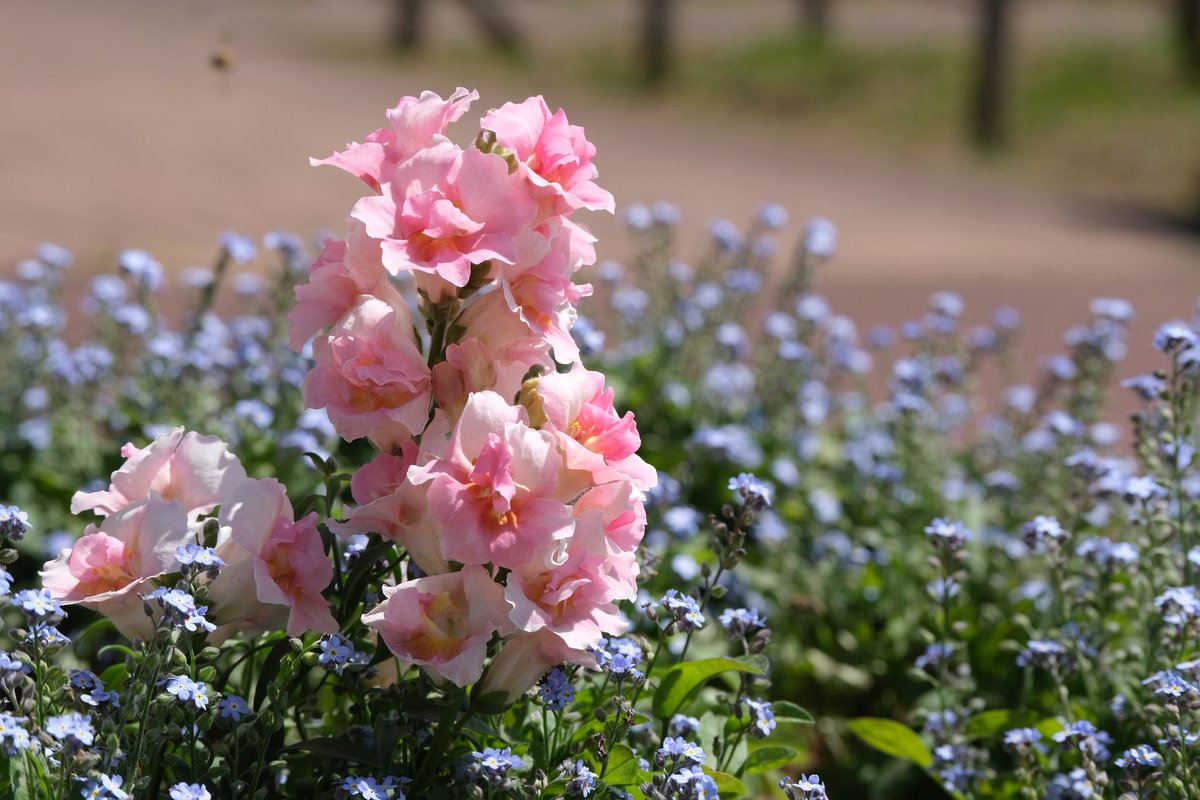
point(553, 155)
point(538, 287)
point(494, 352)
point(522, 660)
point(110, 566)
point(569, 587)
point(416, 122)
point(396, 509)
point(443, 622)
point(345, 270)
point(622, 513)
point(579, 410)
point(496, 491)
point(444, 210)
point(370, 375)
point(196, 470)
point(288, 559)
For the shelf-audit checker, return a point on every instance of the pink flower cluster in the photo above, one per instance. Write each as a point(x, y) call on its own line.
point(524, 516)
point(159, 500)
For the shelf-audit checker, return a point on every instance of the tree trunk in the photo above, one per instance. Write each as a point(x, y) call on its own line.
point(656, 39)
point(496, 24)
point(815, 19)
point(1187, 26)
point(406, 23)
point(988, 111)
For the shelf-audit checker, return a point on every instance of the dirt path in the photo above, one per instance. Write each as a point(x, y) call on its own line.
point(117, 134)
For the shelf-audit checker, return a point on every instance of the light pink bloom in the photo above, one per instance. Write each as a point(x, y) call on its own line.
point(196, 470)
point(552, 155)
point(345, 270)
point(110, 566)
point(396, 509)
point(496, 491)
point(538, 287)
point(443, 622)
point(622, 513)
point(289, 564)
point(494, 352)
point(569, 587)
point(443, 210)
point(416, 122)
point(579, 410)
point(370, 375)
point(522, 660)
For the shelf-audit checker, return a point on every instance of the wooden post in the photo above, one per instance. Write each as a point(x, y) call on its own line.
point(495, 24)
point(1187, 27)
point(988, 107)
point(815, 19)
point(656, 40)
point(406, 24)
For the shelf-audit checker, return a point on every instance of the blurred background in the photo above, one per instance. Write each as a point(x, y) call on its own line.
point(1032, 153)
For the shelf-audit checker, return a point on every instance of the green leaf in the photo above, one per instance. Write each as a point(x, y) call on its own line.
point(990, 723)
point(1049, 726)
point(893, 738)
point(624, 768)
point(768, 758)
point(340, 749)
point(683, 681)
point(728, 787)
point(787, 711)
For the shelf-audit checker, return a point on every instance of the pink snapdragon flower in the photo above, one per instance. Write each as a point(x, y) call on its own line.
point(444, 209)
point(497, 490)
point(416, 122)
point(521, 661)
point(579, 410)
point(443, 623)
point(396, 509)
point(345, 270)
point(196, 470)
point(286, 557)
point(570, 587)
point(494, 352)
point(553, 155)
point(111, 566)
point(370, 375)
point(621, 511)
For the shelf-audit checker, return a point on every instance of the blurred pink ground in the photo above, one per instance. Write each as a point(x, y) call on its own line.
point(118, 134)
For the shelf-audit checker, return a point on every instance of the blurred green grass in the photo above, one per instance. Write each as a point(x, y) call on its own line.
point(1115, 119)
